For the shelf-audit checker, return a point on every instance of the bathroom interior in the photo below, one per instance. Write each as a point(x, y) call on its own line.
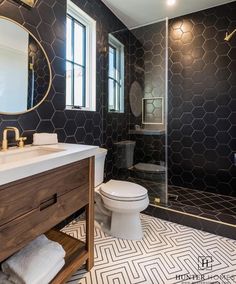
point(134, 109)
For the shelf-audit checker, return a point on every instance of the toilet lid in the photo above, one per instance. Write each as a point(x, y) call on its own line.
point(123, 190)
point(151, 168)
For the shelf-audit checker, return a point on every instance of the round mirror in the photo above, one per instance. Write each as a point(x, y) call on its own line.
point(135, 98)
point(25, 73)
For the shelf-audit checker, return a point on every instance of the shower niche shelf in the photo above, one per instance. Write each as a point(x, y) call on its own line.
point(147, 132)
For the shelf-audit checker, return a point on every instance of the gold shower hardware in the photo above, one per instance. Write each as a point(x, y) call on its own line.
point(229, 36)
point(31, 65)
point(157, 201)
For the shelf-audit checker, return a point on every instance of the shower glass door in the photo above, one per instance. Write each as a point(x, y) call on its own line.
point(148, 108)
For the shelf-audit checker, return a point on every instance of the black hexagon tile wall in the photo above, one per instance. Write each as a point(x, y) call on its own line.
point(202, 100)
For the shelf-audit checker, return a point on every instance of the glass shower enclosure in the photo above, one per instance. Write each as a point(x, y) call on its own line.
point(140, 155)
point(148, 93)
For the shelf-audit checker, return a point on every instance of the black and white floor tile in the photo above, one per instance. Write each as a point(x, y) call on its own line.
point(205, 204)
point(169, 253)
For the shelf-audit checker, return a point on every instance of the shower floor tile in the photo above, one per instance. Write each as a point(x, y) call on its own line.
point(168, 254)
point(205, 204)
point(200, 203)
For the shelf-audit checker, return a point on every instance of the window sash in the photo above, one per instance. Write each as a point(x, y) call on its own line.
point(116, 63)
point(89, 104)
point(114, 95)
point(74, 101)
point(115, 77)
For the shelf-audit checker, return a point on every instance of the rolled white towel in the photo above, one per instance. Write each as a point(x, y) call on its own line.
point(45, 139)
point(32, 263)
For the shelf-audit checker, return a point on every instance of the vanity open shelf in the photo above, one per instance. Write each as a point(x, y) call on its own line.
point(76, 254)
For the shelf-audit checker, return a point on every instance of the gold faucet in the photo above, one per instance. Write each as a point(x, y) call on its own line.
point(18, 139)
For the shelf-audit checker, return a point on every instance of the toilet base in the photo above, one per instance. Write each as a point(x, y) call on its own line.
point(126, 226)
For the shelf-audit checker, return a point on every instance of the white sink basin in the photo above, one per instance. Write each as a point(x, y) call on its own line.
point(18, 163)
point(24, 154)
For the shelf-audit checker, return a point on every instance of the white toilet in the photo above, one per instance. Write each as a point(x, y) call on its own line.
point(118, 203)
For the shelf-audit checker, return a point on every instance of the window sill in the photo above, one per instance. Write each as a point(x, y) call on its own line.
point(116, 111)
point(80, 109)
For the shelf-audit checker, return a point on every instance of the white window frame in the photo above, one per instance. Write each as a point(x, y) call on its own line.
point(113, 41)
point(90, 24)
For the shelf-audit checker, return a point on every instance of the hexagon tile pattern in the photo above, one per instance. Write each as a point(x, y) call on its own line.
point(47, 22)
point(151, 60)
point(202, 100)
point(148, 58)
point(201, 91)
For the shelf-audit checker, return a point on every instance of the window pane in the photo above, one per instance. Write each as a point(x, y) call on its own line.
point(112, 62)
point(69, 89)
point(79, 44)
point(79, 86)
point(114, 95)
point(111, 92)
point(69, 55)
point(116, 75)
point(117, 100)
point(118, 64)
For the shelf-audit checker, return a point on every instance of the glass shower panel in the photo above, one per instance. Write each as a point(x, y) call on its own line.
point(148, 68)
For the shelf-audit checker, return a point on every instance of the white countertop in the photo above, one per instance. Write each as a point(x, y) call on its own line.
point(19, 169)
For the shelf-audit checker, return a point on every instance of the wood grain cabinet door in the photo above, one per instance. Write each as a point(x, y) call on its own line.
point(18, 198)
point(50, 199)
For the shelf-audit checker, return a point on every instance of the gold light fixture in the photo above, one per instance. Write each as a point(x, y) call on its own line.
point(229, 36)
point(30, 3)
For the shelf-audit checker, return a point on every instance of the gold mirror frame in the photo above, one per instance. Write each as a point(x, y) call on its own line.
point(30, 3)
point(49, 68)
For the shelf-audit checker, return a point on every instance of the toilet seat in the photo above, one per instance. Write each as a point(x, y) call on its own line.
point(123, 191)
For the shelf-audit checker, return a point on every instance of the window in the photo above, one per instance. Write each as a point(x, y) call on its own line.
point(80, 59)
point(116, 75)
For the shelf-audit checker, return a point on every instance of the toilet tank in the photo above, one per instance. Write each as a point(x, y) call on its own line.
point(125, 154)
point(99, 166)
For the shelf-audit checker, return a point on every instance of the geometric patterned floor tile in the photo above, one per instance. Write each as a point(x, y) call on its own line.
point(169, 253)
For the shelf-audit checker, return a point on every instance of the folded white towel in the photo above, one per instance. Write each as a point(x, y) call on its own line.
point(53, 272)
point(45, 139)
point(4, 279)
point(34, 262)
point(46, 279)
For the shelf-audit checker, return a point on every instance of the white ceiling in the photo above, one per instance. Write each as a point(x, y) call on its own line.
point(135, 13)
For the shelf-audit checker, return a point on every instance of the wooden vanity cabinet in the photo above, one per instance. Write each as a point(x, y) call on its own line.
point(33, 206)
